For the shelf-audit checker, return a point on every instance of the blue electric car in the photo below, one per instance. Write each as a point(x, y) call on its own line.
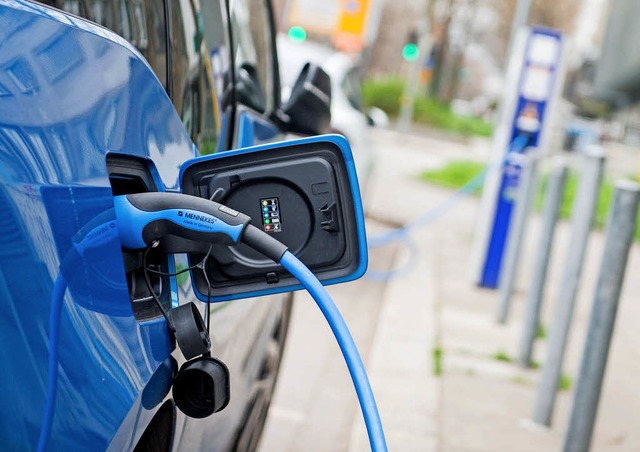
point(100, 98)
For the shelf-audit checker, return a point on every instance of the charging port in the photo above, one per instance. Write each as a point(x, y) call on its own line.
point(128, 175)
point(298, 193)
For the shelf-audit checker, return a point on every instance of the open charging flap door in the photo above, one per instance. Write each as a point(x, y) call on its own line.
point(303, 192)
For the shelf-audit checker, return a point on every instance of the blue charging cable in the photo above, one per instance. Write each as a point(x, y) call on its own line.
point(347, 346)
point(398, 272)
point(57, 299)
point(518, 145)
point(144, 218)
point(98, 232)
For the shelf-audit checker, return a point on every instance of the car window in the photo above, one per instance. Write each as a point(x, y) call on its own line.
point(104, 13)
point(194, 90)
point(142, 22)
point(253, 54)
point(152, 42)
point(139, 27)
point(72, 6)
point(216, 57)
point(184, 63)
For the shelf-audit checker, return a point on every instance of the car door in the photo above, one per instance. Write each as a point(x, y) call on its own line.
point(81, 113)
point(199, 76)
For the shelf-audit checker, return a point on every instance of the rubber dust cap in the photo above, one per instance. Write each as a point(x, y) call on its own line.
point(202, 387)
point(190, 331)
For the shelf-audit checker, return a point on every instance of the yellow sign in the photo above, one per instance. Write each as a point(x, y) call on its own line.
point(351, 25)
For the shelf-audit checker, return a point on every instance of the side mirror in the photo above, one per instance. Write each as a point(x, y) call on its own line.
point(248, 88)
point(308, 109)
point(303, 193)
point(376, 117)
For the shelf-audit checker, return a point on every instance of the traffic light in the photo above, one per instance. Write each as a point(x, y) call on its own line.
point(410, 51)
point(297, 33)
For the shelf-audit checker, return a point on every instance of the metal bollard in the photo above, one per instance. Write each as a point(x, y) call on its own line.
point(620, 230)
point(514, 241)
point(551, 210)
point(583, 209)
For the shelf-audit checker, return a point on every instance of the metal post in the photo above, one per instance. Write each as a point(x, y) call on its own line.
point(583, 210)
point(551, 210)
point(517, 232)
point(408, 96)
point(620, 230)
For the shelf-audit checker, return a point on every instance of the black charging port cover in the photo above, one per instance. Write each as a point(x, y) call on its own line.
point(298, 193)
point(202, 387)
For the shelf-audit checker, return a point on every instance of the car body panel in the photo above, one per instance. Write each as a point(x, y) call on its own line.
point(254, 129)
point(72, 92)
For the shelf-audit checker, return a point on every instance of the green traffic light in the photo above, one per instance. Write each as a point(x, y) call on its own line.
point(410, 52)
point(297, 34)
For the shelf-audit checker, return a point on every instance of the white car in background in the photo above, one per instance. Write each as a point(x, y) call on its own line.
point(347, 116)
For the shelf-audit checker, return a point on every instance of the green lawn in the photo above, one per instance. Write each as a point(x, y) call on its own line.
point(453, 175)
point(387, 93)
point(456, 174)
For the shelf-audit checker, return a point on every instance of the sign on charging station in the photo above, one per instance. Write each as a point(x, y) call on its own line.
point(533, 80)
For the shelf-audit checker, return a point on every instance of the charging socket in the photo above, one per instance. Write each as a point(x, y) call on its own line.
point(304, 193)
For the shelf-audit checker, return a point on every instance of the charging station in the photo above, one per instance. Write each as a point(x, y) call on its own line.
point(534, 78)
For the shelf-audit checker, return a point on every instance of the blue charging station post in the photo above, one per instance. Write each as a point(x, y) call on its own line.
point(533, 81)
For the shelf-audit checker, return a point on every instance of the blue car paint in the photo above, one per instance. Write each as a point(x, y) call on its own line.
point(253, 130)
point(70, 92)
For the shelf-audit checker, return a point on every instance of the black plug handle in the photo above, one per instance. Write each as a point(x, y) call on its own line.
point(145, 217)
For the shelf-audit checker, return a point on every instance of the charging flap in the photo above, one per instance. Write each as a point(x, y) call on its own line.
point(303, 193)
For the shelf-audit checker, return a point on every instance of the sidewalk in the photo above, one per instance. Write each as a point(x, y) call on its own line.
point(478, 402)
